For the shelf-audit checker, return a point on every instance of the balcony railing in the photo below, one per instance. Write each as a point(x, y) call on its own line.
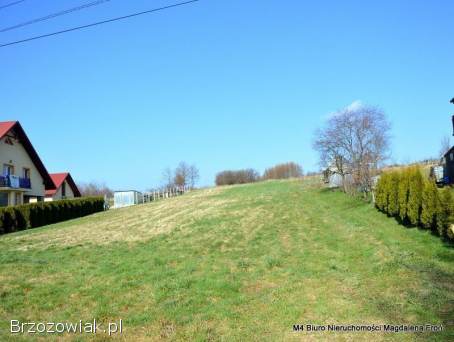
point(15, 182)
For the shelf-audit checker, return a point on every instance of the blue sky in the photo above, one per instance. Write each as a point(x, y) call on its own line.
point(222, 84)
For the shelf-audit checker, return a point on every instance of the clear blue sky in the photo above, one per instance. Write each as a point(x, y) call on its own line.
point(223, 84)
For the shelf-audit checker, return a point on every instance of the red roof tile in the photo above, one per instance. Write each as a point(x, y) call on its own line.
point(5, 127)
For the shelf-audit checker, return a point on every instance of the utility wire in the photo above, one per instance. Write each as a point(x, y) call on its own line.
point(99, 23)
point(57, 14)
point(11, 4)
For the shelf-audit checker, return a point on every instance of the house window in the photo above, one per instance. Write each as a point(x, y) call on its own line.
point(26, 173)
point(8, 141)
point(451, 156)
point(8, 169)
point(63, 189)
point(3, 199)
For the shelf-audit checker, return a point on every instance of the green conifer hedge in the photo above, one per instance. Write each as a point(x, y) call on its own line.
point(416, 201)
point(39, 214)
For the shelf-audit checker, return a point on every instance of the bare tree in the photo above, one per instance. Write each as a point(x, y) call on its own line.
point(283, 171)
point(193, 176)
point(181, 176)
point(94, 189)
point(168, 177)
point(354, 142)
point(332, 155)
point(230, 177)
point(445, 145)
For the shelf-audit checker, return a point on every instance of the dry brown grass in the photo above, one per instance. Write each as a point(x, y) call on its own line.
point(137, 223)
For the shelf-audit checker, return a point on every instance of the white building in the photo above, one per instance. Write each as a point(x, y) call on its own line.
point(23, 176)
point(127, 198)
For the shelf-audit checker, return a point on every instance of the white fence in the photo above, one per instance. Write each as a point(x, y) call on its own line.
point(156, 195)
point(132, 197)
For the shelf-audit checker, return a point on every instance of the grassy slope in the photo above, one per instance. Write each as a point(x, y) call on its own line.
point(239, 263)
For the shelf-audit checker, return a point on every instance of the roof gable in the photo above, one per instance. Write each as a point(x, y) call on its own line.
point(58, 179)
point(5, 128)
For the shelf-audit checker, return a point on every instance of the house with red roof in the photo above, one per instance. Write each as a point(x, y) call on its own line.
point(23, 176)
point(65, 187)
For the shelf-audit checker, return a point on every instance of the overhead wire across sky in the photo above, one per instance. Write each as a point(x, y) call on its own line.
point(54, 15)
point(11, 4)
point(100, 22)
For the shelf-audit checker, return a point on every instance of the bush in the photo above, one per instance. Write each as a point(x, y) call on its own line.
point(284, 171)
point(416, 201)
point(39, 214)
point(9, 224)
point(403, 194)
point(393, 193)
point(430, 202)
point(381, 193)
point(415, 189)
point(237, 177)
point(445, 214)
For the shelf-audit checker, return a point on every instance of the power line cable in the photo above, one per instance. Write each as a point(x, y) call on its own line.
point(11, 4)
point(99, 23)
point(54, 15)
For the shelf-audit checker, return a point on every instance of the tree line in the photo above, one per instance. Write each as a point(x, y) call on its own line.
point(94, 189)
point(279, 171)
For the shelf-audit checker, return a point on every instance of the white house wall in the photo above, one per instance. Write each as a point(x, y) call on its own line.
point(17, 156)
point(69, 192)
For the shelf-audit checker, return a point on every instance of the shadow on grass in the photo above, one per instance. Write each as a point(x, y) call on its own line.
point(429, 300)
point(438, 282)
point(329, 190)
point(357, 202)
point(352, 202)
point(406, 224)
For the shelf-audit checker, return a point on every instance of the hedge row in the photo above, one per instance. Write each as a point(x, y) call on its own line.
point(230, 177)
point(416, 201)
point(39, 214)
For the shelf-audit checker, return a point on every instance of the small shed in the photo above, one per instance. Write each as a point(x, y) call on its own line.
point(127, 198)
point(335, 181)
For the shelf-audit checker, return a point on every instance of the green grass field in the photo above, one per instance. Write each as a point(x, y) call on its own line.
point(234, 264)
